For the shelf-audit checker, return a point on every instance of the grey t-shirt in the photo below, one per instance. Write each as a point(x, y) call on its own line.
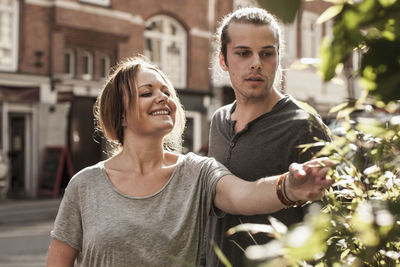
point(265, 147)
point(109, 228)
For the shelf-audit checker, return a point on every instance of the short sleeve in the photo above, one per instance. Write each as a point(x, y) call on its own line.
point(68, 223)
point(314, 130)
point(213, 172)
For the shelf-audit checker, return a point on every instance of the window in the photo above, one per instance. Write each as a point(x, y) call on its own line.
point(311, 35)
point(192, 134)
point(290, 35)
point(104, 65)
point(8, 35)
point(69, 63)
point(87, 65)
point(165, 45)
point(97, 2)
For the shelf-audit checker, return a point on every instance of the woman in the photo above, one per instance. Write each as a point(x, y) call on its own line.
point(148, 205)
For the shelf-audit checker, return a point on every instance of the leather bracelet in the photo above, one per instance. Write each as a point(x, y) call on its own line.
point(281, 192)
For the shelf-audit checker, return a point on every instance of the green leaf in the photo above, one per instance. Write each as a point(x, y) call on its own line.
point(307, 107)
point(352, 19)
point(335, 1)
point(387, 3)
point(344, 254)
point(330, 13)
point(269, 250)
point(391, 36)
point(285, 10)
point(252, 228)
point(221, 256)
point(310, 242)
point(338, 107)
point(328, 65)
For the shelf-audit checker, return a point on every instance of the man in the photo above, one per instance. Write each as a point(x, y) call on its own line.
point(259, 133)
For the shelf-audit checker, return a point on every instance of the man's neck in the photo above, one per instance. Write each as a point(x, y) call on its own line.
point(248, 110)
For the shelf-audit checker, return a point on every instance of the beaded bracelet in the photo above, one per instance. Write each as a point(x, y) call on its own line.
point(281, 192)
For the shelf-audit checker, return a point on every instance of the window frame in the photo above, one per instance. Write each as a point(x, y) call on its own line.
point(14, 10)
point(104, 3)
point(290, 37)
point(107, 61)
point(89, 74)
point(310, 37)
point(196, 117)
point(166, 39)
point(72, 56)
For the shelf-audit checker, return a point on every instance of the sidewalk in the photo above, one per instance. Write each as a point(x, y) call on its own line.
point(27, 211)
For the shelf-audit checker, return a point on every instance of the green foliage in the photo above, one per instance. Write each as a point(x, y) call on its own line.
point(358, 223)
point(286, 10)
point(371, 27)
point(221, 256)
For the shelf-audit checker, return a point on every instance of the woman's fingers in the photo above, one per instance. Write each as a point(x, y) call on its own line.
point(309, 179)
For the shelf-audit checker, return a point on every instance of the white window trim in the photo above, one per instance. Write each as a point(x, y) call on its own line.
point(182, 39)
point(107, 64)
point(329, 28)
point(317, 32)
point(71, 71)
point(89, 75)
point(290, 38)
point(15, 37)
point(196, 116)
point(97, 2)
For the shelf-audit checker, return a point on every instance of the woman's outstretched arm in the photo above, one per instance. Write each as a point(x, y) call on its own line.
point(302, 183)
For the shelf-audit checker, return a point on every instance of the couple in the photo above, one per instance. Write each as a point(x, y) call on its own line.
point(148, 205)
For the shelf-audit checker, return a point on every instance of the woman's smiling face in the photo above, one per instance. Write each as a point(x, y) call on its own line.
point(156, 108)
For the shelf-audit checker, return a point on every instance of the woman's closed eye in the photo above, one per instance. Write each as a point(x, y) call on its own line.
point(145, 94)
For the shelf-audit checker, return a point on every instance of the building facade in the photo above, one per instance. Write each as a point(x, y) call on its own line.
point(56, 54)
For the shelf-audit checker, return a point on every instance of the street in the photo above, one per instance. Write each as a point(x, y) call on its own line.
point(24, 244)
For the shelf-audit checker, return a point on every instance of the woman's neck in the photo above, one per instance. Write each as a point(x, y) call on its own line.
point(140, 155)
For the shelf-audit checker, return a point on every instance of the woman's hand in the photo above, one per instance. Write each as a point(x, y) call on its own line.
point(307, 181)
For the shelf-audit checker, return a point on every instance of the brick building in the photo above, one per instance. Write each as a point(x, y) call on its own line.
point(55, 55)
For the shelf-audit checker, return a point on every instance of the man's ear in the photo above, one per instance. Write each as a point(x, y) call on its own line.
point(222, 63)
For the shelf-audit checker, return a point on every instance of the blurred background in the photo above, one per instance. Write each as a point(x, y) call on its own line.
point(54, 58)
point(56, 54)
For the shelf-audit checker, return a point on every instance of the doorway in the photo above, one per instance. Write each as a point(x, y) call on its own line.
point(85, 149)
point(17, 123)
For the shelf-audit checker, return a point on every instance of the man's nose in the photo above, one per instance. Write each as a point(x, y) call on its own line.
point(256, 63)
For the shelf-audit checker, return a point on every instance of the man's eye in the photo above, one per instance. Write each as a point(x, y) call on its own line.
point(167, 93)
point(267, 54)
point(243, 53)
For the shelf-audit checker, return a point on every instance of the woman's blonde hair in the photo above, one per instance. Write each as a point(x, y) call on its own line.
point(109, 109)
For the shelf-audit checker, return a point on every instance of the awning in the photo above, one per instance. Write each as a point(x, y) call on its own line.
point(19, 94)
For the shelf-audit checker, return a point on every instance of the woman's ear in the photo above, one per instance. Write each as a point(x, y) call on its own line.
point(222, 63)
